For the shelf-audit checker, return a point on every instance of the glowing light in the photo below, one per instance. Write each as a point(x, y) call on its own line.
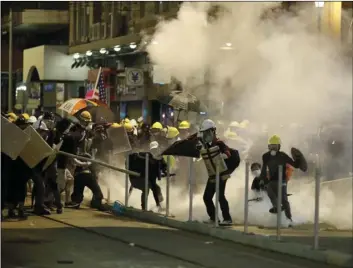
point(117, 48)
point(319, 4)
point(103, 51)
point(76, 55)
point(89, 53)
point(133, 45)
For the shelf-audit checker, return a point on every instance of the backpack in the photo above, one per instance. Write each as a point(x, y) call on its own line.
point(233, 161)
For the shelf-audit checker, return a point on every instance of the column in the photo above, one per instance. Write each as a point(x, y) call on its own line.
point(332, 16)
point(72, 23)
point(77, 20)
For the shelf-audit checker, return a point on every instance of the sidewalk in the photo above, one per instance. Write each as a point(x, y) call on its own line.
point(336, 247)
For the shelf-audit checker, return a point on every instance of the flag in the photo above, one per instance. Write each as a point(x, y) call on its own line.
point(99, 91)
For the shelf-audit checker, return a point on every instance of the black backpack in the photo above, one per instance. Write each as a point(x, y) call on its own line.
point(233, 161)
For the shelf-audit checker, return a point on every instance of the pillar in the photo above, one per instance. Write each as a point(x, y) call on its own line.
point(72, 23)
point(332, 16)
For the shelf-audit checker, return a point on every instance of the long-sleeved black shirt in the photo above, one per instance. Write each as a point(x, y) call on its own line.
point(271, 165)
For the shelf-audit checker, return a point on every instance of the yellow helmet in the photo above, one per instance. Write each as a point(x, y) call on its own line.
point(234, 124)
point(157, 125)
point(128, 127)
point(12, 117)
point(172, 132)
point(274, 140)
point(184, 125)
point(232, 135)
point(115, 125)
point(126, 120)
point(86, 116)
point(25, 116)
point(244, 124)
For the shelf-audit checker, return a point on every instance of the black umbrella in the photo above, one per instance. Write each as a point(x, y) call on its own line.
point(187, 147)
point(180, 100)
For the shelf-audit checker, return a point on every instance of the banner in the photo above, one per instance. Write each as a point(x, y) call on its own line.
point(13, 139)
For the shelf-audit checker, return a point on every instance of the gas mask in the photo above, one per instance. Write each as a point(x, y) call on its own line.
point(256, 173)
point(207, 136)
point(274, 148)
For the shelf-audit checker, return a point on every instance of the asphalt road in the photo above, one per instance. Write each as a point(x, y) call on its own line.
point(103, 240)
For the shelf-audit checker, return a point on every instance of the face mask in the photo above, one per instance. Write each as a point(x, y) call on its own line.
point(207, 136)
point(273, 152)
point(256, 173)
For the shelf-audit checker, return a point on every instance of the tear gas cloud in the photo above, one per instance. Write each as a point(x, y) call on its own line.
point(278, 71)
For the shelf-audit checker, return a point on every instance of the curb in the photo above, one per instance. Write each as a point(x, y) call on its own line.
point(331, 257)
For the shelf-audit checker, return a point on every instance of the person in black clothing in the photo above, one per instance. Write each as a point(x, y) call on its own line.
point(156, 166)
point(270, 167)
point(209, 140)
point(85, 176)
point(257, 185)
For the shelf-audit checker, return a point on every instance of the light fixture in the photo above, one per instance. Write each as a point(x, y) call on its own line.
point(76, 55)
point(319, 4)
point(133, 45)
point(163, 115)
point(89, 53)
point(103, 50)
point(171, 114)
point(228, 44)
point(117, 48)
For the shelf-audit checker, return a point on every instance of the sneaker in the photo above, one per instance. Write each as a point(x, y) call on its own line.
point(228, 222)
point(73, 205)
point(41, 211)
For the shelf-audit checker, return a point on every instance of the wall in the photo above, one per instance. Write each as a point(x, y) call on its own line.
point(52, 63)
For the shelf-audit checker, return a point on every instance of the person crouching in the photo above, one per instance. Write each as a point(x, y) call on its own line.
point(85, 176)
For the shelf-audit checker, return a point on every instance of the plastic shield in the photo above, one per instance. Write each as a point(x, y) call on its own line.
point(36, 149)
point(13, 139)
point(299, 158)
point(120, 140)
point(52, 157)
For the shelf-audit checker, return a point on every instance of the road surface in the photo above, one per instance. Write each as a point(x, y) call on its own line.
point(85, 238)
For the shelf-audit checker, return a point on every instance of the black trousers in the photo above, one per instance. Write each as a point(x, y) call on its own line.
point(210, 191)
point(52, 186)
point(83, 180)
point(156, 191)
point(272, 192)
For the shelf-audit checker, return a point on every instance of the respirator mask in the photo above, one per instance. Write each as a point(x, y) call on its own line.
point(207, 136)
point(274, 148)
point(256, 173)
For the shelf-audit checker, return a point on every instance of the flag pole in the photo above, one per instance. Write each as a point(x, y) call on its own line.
point(97, 79)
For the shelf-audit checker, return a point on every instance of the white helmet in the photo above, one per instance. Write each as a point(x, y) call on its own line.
point(207, 124)
point(133, 122)
point(32, 119)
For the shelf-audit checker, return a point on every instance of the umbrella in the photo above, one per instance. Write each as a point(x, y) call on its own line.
point(72, 106)
point(183, 101)
point(100, 114)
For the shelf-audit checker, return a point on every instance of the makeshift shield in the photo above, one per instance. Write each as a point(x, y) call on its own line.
point(212, 157)
point(13, 139)
point(299, 158)
point(183, 148)
point(52, 157)
point(120, 140)
point(36, 149)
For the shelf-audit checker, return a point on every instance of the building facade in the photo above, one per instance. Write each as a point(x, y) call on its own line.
point(107, 34)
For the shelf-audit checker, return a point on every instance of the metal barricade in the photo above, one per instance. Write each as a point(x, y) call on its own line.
point(317, 204)
point(191, 188)
point(167, 191)
point(146, 180)
point(127, 164)
point(279, 202)
point(216, 221)
point(246, 198)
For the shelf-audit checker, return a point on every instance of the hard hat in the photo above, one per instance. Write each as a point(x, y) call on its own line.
point(234, 124)
point(126, 120)
point(140, 119)
point(172, 132)
point(11, 117)
point(133, 122)
point(154, 145)
point(244, 124)
point(32, 119)
point(157, 125)
point(207, 124)
point(115, 125)
point(274, 140)
point(25, 116)
point(128, 127)
point(231, 135)
point(184, 125)
point(86, 116)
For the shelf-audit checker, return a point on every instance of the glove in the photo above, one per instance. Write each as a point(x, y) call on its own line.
point(224, 156)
